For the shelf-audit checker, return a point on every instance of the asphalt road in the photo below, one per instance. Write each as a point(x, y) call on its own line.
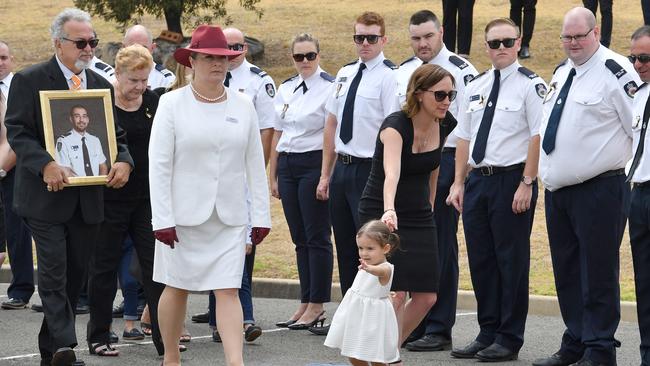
point(19, 329)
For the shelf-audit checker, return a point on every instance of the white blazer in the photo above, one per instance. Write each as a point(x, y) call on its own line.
point(199, 163)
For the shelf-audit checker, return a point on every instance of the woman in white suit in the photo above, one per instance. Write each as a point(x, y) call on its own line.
point(205, 147)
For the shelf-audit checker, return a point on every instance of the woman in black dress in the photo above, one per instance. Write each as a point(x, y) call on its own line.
point(402, 184)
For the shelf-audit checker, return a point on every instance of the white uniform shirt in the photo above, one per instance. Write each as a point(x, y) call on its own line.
point(67, 74)
point(6, 83)
point(374, 101)
point(257, 85)
point(642, 173)
point(595, 130)
point(160, 77)
point(103, 69)
point(516, 116)
point(70, 152)
point(301, 116)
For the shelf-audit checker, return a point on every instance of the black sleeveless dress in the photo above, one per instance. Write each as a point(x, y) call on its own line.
point(416, 262)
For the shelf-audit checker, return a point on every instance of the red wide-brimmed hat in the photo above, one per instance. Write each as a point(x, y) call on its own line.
point(205, 39)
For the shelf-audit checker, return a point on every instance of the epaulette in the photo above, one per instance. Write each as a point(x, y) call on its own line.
point(390, 64)
point(458, 61)
point(104, 67)
point(641, 86)
point(327, 77)
point(259, 72)
point(351, 63)
point(479, 75)
point(530, 73)
point(163, 70)
point(66, 134)
point(291, 78)
point(559, 65)
point(615, 68)
point(408, 60)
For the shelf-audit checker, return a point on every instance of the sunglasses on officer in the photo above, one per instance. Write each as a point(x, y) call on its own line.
point(371, 38)
point(236, 47)
point(82, 43)
point(496, 43)
point(299, 57)
point(441, 95)
point(643, 58)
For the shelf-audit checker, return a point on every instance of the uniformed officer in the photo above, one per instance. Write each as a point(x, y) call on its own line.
point(498, 130)
point(639, 175)
point(78, 149)
point(362, 96)
point(159, 77)
point(426, 40)
point(103, 69)
point(586, 141)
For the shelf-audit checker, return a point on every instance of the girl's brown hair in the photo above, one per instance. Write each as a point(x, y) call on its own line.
point(379, 232)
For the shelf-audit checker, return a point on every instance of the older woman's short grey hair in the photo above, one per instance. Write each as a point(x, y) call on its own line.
point(68, 14)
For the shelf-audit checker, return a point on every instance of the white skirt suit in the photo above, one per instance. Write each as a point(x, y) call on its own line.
point(202, 157)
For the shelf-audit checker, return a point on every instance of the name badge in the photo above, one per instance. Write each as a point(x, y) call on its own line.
point(475, 97)
point(232, 120)
point(241, 90)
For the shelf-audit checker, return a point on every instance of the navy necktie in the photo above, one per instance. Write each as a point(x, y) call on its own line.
point(84, 149)
point(554, 120)
point(639, 148)
point(348, 110)
point(228, 77)
point(478, 153)
point(301, 85)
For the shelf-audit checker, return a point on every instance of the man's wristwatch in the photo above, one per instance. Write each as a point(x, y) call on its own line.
point(3, 173)
point(527, 180)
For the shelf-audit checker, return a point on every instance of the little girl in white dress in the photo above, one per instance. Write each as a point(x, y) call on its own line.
point(364, 326)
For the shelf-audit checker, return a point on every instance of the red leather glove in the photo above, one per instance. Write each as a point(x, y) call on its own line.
point(258, 234)
point(166, 236)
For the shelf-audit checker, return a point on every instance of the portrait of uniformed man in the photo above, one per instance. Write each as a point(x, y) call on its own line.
point(78, 150)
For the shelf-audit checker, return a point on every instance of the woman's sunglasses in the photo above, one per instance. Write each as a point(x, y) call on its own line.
point(440, 95)
point(82, 43)
point(310, 56)
point(496, 43)
point(643, 58)
point(371, 38)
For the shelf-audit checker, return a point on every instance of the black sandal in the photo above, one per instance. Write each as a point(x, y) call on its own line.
point(103, 350)
point(146, 328)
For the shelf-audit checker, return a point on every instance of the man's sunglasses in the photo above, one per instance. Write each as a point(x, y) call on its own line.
point(310, 56)
point(440, 95)
point(643, 58)
point(236, 47)
point(82, 43)
point(371, 38)
point(496, 43)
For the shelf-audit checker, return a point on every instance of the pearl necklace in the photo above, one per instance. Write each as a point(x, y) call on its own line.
point(211, 100)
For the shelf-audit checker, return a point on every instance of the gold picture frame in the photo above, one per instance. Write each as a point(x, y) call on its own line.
point(90, 158)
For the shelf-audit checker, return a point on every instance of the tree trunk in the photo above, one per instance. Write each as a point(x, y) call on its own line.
point(173, 18)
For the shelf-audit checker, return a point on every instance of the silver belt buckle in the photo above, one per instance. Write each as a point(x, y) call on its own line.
point(346, 159)
point(487, 171)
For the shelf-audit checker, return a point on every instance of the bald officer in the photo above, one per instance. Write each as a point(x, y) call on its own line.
point(78, 150)
point(498, 131)
point(159, 77)
point(586, 134)
point(426, 35)
point(639, 175)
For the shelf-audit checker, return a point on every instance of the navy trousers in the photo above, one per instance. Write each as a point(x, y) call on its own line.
point(639, 223)
point(346, 186)
point(528, 24)
point(606, 18)
point(442, 316)
point(498, 250)
point(19, 246)
point(457, 20)
point(645, 8)
point(585, 224)
point(309, 224)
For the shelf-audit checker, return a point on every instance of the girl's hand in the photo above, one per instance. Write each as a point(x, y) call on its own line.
point(390, 219)
point(363, 265)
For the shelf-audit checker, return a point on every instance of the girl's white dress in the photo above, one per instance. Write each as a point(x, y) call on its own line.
point(364, 325)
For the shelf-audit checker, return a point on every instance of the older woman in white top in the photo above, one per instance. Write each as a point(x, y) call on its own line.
point(295, 171)
point(205, 149)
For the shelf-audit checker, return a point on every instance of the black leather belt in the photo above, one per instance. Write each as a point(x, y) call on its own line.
point(487, 171)
point(448, 150)
point(349, 159)
point(641, 185)
point(610, 173)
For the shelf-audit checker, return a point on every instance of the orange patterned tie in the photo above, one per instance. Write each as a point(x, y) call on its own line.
point(76, 82)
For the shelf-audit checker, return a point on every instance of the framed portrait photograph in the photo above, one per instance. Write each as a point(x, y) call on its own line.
point(80, 133)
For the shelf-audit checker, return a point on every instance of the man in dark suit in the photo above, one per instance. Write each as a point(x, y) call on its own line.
point(64, 221)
